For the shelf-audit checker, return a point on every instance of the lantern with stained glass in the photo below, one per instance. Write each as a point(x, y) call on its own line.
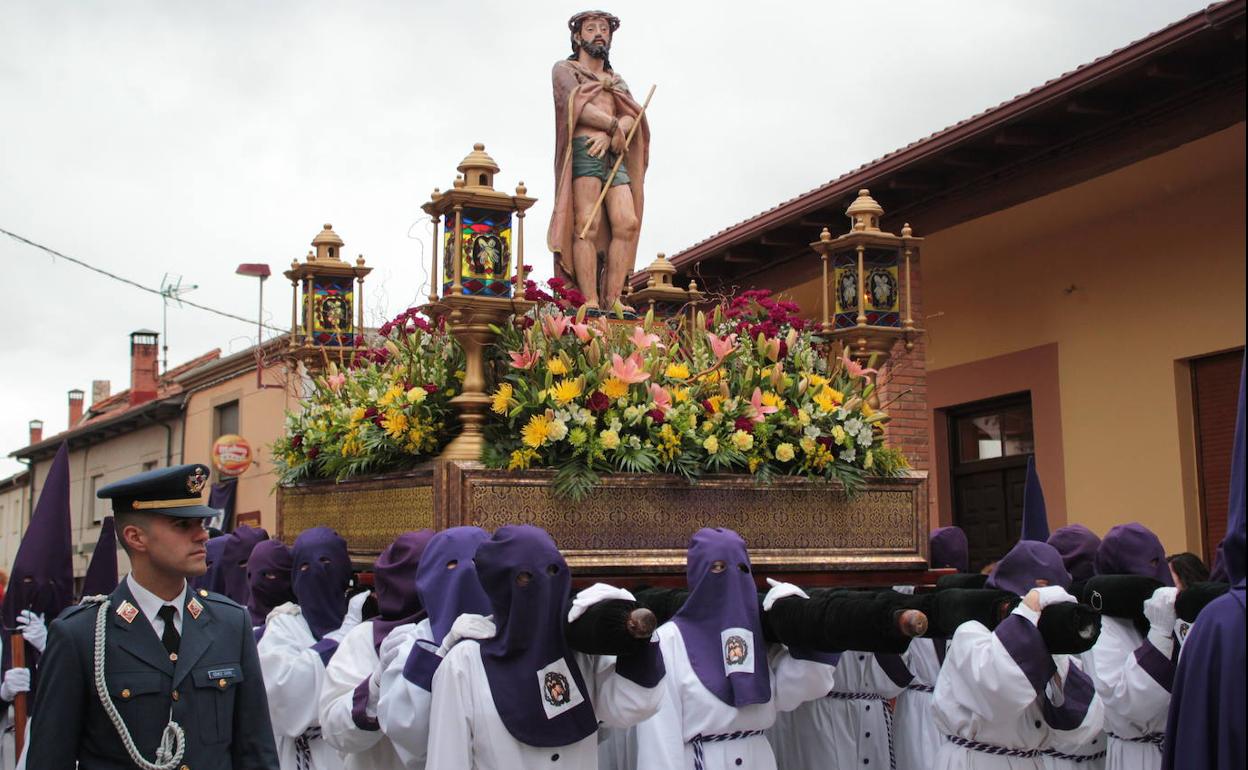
point(866, 283)
point(327, 303)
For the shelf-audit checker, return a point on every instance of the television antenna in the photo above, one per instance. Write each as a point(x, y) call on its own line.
point(171, 288)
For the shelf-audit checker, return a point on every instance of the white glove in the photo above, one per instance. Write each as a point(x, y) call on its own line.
point(391, 646)
point(1159, 609)
point(355, 612)
point(32, 628)
point(467, 626)
point(1038, 598)
point(779, 591)
point(1049, 595)
point(598, 592)
point(16, 680)
point(289, 608)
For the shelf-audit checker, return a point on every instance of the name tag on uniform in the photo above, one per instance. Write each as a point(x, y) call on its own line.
point(228, 672)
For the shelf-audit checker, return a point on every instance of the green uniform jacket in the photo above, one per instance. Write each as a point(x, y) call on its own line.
point(214, 688)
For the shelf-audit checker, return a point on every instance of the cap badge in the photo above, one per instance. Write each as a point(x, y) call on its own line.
point(196, 481)
point(127, 611)
point(195, 608)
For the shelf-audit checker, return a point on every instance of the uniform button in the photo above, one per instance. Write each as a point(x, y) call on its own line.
point(125, 693)
point(554, 757)
point(221, 684)
point(175, 694)
point(738, 761)
point(862, 657)
point(868, 734)
point(173, 656)
point(1037, 724)
point(203, 592)
point(868, 708)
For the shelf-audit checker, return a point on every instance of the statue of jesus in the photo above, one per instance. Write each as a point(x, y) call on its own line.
point(594, 113)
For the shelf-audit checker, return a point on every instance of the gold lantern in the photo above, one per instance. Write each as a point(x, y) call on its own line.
point(327, 299)
point(867, 273)
point(477, 271)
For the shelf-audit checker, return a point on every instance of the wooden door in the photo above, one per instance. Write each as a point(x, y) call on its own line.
point(1215, 393)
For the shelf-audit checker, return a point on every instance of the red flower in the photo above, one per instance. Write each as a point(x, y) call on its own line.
point(598, 402)
point(370, 412)
point(313, 452)
point(656, 415)
point(825, 441)
point(430, 388)
point(296, 441)
point(745, 424)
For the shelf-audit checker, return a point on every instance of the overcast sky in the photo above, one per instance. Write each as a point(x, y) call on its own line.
point(182, 138)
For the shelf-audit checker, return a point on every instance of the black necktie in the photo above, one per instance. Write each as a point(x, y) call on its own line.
point(170, 638)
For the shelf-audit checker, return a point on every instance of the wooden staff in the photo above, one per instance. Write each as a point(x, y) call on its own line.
point(628, 140)
point(17, 644)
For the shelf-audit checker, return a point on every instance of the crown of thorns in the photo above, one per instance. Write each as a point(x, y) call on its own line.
point(574, 23)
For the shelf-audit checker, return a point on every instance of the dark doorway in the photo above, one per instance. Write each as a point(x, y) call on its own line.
point(990, 442)
point(1215, 394)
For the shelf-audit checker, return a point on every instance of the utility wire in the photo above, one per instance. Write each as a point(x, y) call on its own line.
point(135, 284)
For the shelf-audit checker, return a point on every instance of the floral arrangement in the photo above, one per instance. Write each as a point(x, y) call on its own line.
point(383, 409)
point(749, 389)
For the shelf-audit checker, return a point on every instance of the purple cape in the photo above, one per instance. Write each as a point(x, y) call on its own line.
point(212, 579)
point(233, 565)
point(720, 621)
point(1027, 562)
point(1133, 549)
point(1078, 546)
point(268, 579)
point(528, 662)
point(1207, 702)
point(394, 583)
point(950, 549)
point(322, 573)
point(1035, 515)
point(102, 571)
point(42, 577)
point(447, 578)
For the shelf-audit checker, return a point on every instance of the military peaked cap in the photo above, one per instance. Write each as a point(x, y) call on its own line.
point(175, 491)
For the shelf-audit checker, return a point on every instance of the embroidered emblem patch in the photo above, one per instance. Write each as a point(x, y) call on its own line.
point(195, 608)
point(558, 689)
point(196, 481)
point(738, 647)
point(127, 611)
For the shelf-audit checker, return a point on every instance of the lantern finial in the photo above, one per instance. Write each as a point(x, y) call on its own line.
point(865, 212)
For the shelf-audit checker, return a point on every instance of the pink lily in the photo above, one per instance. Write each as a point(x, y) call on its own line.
point(336, 381)
point(584, 332)
point(854, 368)
point(759, 410)
point(555, 325)
point(722, 346)
point(641, 340)
point(662, 399)
point(771, 348)
point(524, 359)
point(628, 369)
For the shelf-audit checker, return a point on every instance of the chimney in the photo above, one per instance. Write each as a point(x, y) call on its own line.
point(36, 431)
point(100, 390)
point(75, 407)
point(144, 359)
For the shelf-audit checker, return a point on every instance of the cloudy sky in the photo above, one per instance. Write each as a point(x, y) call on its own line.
point(172, 138)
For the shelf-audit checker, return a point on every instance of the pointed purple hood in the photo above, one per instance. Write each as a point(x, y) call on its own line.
point(1133, 549)
point(394, 583)
point(720, 621)
point(1078, 546)
point(949, 548)
point(212, 579)
point(1035, 515)
point(234, 554)
point(102, 571)
point(447, 578)
point(536, 685)
point(1025, 564)
point(268, 579)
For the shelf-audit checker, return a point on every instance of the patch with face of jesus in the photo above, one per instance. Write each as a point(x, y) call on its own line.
point(738, 647)
point(558, 689)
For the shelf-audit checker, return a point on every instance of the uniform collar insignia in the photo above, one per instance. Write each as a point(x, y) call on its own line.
point(127, 611)
point(194, 607)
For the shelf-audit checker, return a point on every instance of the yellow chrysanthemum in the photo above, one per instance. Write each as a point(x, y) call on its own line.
point(816, 381)
point(615, 388)
point(838, 434)
point(680, 395)
point(520, 459)
point(609, 439)
point(557, 367)
point(808, 445)
point(390, 396)
point(565, 392)
point(784, 452)
point(828, 398)
point(677, 371)
point(773, 399)
point(711, 445)
point(715, 402)
point(536, 431)
point(501, 401)
point(417, 395)
point(395, 423)
point(357, 414)
point(742, 441)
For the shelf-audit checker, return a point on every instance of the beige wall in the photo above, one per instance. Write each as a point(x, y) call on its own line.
point(261, 417)
point(1129, 275)
point(14, 513)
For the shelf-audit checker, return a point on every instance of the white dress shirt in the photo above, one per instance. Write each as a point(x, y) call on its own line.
point(150, 604)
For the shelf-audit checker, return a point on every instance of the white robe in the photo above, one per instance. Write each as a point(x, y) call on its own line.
point(690, 710)
point(356, 733)
point(915, 737)
point(983, 695)
point(467, 733)
point(1136, 704)
point(838, 732)
point(1075, 745)
point(403, 707)
point(293, 678)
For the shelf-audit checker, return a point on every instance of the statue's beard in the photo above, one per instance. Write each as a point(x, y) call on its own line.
point(596, 50)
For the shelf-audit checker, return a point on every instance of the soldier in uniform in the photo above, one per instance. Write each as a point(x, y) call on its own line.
point(155, 675)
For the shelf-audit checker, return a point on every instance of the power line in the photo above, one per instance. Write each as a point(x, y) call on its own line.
point(135, 284)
